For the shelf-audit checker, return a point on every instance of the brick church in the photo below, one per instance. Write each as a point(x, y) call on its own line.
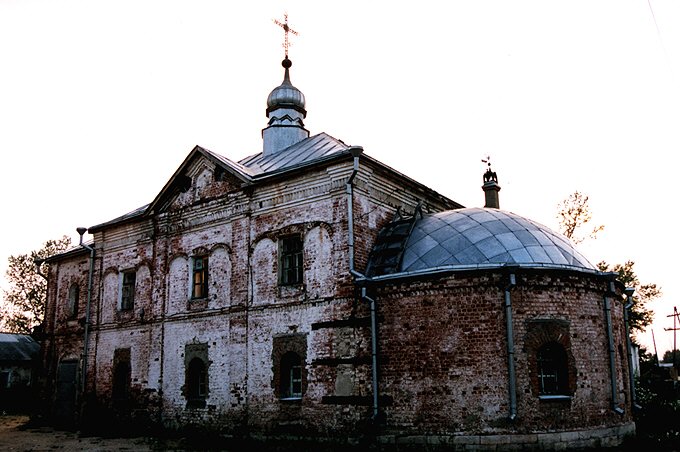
point(311, 290)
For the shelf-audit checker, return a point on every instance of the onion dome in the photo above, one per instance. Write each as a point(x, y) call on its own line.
point(286, 95)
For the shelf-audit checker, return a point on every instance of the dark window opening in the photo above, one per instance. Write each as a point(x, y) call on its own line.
point(290, 252)
point(121, 382)
point(5, 379)
point(184, 183)
point(553, 375)
point(291, 376)
point(200, 277)
point(197, 382)
point(219, 174)
point(127, 301)
point(73, 300)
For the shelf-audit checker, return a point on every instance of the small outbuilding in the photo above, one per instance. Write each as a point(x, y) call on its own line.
point(18, 360)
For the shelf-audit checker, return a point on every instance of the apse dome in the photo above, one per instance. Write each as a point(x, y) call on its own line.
point(480, 237)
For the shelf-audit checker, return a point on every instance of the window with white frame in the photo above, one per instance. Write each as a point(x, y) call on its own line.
point(199, 280)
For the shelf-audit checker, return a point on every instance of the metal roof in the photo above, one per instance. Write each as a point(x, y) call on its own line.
point(304, 152)
point(17, 347)
point(487, 238)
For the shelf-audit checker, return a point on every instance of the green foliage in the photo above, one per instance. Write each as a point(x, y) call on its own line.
point(658, 419)
point(24, 302)
point(668, 356)
point(640, 316)
point(573, 214)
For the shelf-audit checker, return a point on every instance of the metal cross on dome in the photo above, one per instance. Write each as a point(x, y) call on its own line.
point(286, 30)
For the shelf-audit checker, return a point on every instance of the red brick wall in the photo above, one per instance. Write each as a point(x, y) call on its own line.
point(443, 352)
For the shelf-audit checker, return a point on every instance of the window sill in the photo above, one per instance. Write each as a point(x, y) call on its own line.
point(291, 399)
point(291, 290)
point(196, 403)
point(197, 304)
point(554, 398)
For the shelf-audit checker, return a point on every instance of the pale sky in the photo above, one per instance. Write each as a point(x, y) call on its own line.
point(100, 101)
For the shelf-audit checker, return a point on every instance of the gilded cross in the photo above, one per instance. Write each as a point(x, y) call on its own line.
point(286, 30)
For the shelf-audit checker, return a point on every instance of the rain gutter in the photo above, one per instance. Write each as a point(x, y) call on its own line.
point(446, 269)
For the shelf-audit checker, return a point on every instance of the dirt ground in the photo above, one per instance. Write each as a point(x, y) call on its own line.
point(17, 435)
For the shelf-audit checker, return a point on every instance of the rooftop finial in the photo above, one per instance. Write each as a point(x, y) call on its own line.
point(489, 176)
point(286, 30)
point(490, 187)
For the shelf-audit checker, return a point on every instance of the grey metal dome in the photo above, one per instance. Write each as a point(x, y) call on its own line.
point(286, 95)
point(478, 238)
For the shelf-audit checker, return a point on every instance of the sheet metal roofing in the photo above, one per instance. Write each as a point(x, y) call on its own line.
point(17, 347)
point(304, 152)
point(486, 238)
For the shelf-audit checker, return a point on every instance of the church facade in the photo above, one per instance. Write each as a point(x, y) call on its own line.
point(312, 291)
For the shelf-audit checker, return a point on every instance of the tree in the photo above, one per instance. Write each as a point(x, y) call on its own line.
point(574, 214)
point(640, 316)
point(24, 302)
point(668, 356)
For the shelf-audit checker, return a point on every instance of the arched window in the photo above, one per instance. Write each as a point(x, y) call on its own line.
point(73, 299)
point(197, 382)
point(291, 376)
point(553, 374)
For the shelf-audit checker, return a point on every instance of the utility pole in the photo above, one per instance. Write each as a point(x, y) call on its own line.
point(674, 329)
point(656, 353)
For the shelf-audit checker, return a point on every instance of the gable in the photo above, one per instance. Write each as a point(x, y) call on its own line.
point(201, 177)
point(200, 180)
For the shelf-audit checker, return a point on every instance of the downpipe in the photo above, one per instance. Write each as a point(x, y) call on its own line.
point(86, 338)
point(612, 350)
point(511, 348)
point(374, 352)
point(629, 291)
point(356, 151)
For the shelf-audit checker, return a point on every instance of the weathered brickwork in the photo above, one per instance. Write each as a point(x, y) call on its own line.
point(206, 214)
point(444, 353)
point(208, 290)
